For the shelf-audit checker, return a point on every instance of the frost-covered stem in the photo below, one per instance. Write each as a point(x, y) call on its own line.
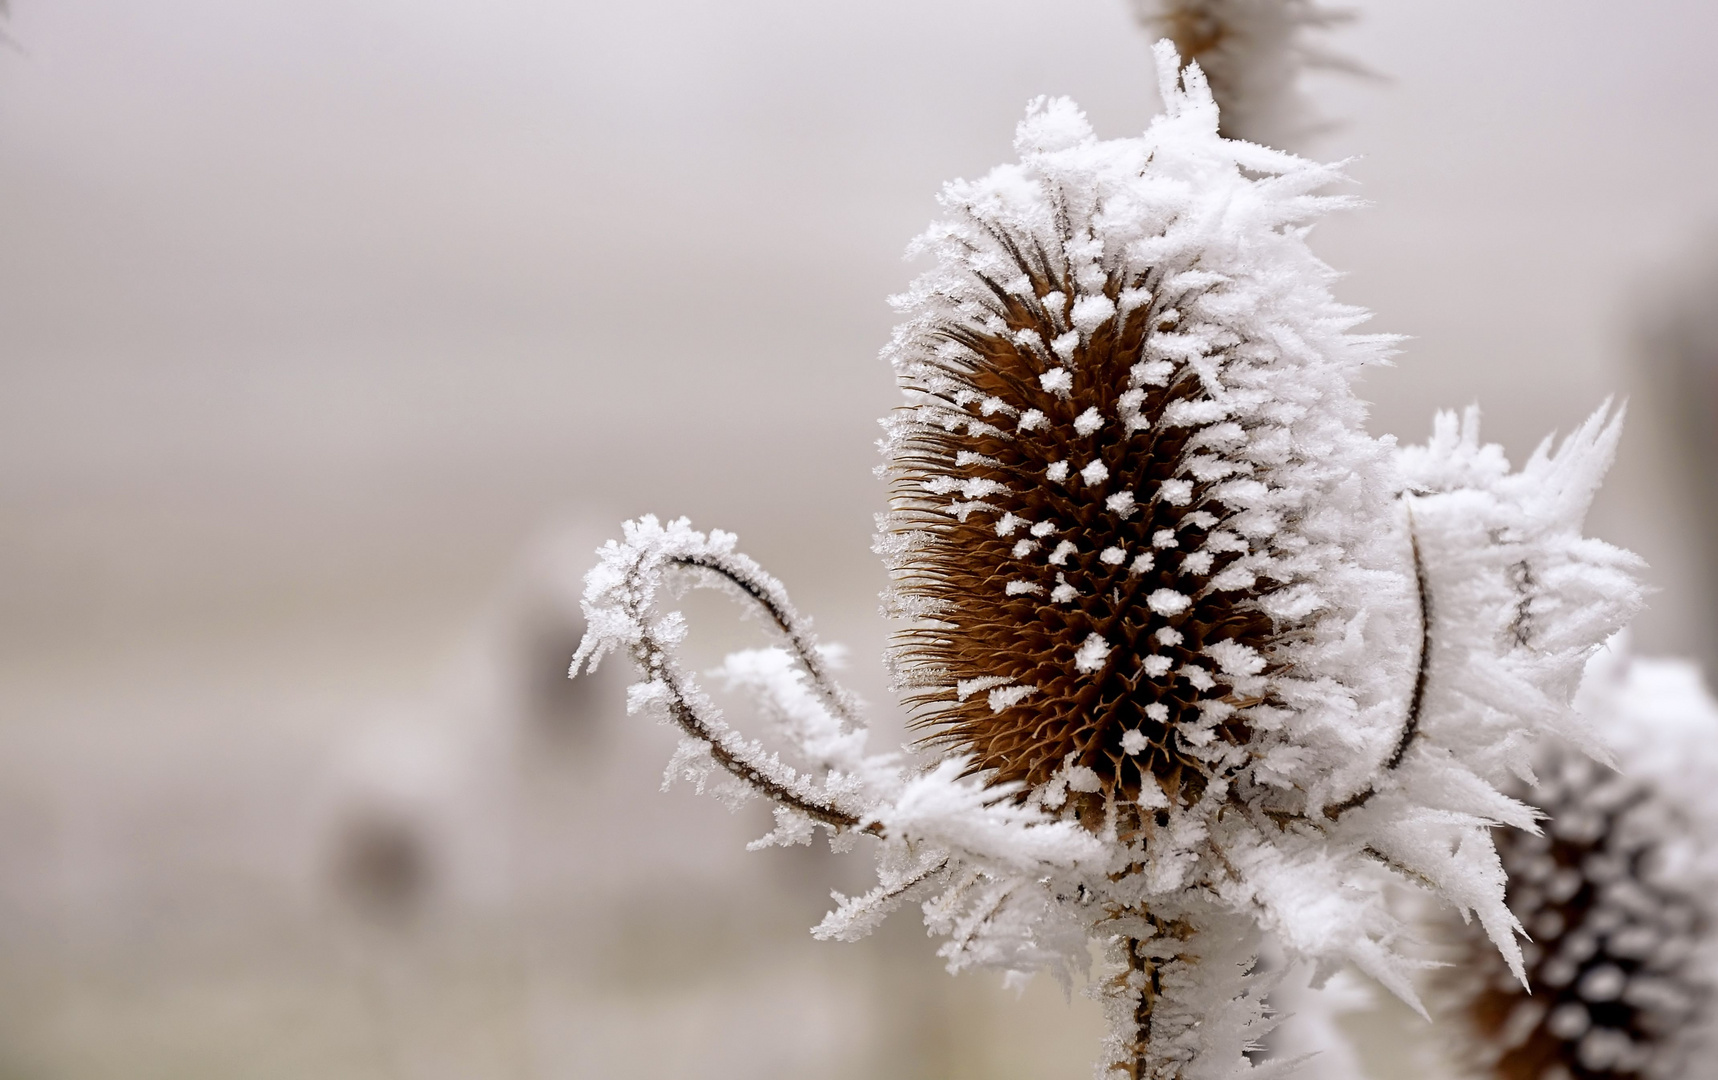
point(1139, 982)
point(1180, 1003)
point(1138, 1000)
point(692, 723)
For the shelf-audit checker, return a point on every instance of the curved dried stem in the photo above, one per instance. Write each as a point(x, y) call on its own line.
point(696, 717)
point(692, 721)
point(744, 575)
point(1422, 677)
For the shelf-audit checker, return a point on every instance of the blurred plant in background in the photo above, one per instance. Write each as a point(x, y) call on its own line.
point(1254, 54)
point(1617, 895)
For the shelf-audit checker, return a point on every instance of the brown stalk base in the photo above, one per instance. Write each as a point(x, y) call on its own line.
point(1140, 983)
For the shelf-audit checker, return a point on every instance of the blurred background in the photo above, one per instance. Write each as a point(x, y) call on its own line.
point(335, 337)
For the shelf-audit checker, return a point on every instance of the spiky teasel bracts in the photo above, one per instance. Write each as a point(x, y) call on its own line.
point(1617, 894)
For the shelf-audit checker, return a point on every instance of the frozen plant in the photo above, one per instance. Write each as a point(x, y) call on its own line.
point(1253, 53)
point(1619, 893)
point(1199, 660)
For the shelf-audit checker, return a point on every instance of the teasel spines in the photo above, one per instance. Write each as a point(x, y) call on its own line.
point(1612, 985)
point(1115, 482)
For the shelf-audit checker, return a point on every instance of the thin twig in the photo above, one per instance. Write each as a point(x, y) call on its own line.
point(695, 725)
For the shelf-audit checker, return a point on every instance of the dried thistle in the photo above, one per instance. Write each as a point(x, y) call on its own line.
point(1201, 660)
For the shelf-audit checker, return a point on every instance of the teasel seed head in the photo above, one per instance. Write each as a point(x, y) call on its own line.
point(1616, 898)
point(1609, 985)
point(1132, 497)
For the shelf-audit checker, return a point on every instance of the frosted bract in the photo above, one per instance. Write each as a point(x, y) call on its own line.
point(1517, 601)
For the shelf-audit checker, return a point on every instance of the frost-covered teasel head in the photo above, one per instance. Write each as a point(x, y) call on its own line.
point(1617, 893)
point(1135, 510)
point(1158, 576)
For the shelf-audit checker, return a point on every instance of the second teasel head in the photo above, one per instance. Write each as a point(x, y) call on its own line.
point(1147, 548)
point(1617, 895)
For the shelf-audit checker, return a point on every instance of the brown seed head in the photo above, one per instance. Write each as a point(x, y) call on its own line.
point(1132, 496)
point(1047, 561)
